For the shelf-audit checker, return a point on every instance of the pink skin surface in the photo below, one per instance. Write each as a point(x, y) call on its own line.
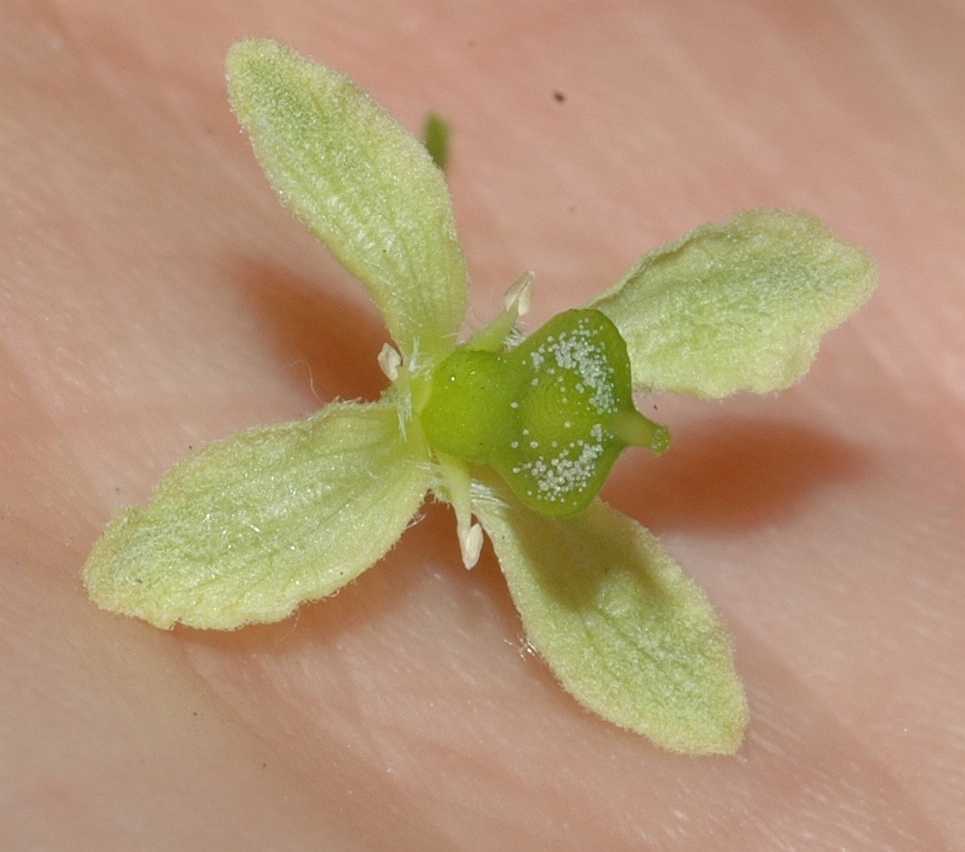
point(154, 296)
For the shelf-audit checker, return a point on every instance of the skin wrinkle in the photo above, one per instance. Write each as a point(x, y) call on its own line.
point(305, 770)
point(879, 42)
point(282, 697)
point(287, 697)
point(915, 828)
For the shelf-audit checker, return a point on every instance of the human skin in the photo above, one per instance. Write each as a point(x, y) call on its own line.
point(155, 296)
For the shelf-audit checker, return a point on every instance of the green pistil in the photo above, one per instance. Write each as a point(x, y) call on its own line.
point(635, 430)
point(550, 416)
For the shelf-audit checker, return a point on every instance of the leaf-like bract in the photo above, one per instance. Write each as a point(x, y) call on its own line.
point(625, 631)
point(361, 183)
point(740, 306)
point(247, 529)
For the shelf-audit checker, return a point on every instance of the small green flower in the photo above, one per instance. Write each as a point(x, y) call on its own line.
point(517, 433)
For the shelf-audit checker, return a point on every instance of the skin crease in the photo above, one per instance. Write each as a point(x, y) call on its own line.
point(155, 296)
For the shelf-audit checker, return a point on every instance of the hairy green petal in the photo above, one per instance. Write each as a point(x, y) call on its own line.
point(625, 631)
point(740, 306)
point(249, 528)
point(361, 183)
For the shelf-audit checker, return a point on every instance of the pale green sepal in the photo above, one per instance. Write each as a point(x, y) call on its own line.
point(624, 630)
point(361, 183)
point(249, 528)
point(740, 306)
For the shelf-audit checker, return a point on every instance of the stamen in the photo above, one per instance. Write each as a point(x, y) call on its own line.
point(471, 546)
point(493, 337)
point(390, 361)
point(455, 476)
point(520, 293)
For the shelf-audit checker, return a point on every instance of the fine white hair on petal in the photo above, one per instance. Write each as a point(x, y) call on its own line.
point(416, 519)
point(515, 338)
point(431, 469)
point(483, 494)
point(404, 414)
point(412, 362)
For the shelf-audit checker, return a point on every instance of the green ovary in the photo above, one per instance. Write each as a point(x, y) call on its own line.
point(550, 416)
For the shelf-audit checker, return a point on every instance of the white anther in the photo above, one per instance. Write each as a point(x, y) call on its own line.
point(471, 546)
point(390, 360)
point(520, 294)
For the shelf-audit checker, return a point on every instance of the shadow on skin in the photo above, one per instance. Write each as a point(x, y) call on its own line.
point(723, 475)
point(334, 340)
point(727, 474)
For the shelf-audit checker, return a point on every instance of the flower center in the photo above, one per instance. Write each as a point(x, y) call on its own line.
point(550, 416)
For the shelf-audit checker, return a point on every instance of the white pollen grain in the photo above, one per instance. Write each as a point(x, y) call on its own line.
point(564, 475)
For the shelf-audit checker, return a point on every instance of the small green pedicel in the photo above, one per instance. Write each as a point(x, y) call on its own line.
point(550, 416)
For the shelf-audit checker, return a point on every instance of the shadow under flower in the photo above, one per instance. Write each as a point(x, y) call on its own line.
point(336, 339)
point(730, 474)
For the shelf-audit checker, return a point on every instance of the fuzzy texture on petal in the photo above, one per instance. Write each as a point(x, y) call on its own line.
point(625, 631)
point(249, 528)
point(740, 306)
point(361, 183)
